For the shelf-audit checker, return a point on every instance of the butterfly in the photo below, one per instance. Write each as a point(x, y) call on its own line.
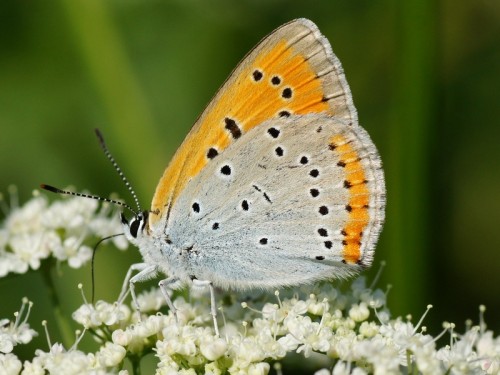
point(275, 185)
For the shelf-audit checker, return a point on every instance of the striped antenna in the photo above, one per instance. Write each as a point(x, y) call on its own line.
point(96, 197)
point(117, 168)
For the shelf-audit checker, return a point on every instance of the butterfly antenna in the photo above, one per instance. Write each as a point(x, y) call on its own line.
point(117, 168)
point(96, 197)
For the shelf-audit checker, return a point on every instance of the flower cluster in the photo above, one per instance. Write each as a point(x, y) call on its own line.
point(69, 362)
point(351, 330)
point(326, 321)
point(345, 331)
point(39, 230)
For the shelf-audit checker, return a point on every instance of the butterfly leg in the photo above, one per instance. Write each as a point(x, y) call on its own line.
point(213, 309)
point(146, 272)
point(165, 286)
point(126, 282)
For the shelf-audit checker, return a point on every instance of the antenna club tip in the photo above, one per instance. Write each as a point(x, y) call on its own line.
point(99, 136)
point(49, 188)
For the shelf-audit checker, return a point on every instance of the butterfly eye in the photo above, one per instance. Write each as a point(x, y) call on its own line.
point(134, 227)
point(141, 217)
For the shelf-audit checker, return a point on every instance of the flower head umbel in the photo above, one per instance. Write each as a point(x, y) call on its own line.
point(350, 330)
point(62, 229)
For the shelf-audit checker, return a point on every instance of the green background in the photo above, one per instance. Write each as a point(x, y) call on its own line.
point(425, 77)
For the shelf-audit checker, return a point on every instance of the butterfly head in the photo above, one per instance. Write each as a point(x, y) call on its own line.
point(136, 228)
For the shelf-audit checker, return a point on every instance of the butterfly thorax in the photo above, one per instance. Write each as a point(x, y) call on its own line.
point(157, 248)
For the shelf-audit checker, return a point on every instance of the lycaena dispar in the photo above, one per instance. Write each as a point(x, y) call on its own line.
point(275, 185)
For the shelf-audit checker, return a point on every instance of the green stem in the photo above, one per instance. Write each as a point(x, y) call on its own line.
point(411, 132)
point(136, 364)
point(62, 322)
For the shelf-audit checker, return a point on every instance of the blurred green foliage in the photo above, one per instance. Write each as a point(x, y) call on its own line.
point(425, 79)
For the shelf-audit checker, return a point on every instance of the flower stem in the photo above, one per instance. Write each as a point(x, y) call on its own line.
point(136, 364)
point(62, 322)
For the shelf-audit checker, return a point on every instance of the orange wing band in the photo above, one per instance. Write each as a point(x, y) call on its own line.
point(359, 196)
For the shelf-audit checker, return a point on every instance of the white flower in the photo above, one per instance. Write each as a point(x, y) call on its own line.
point(315, 306)
point(60, 361)
point(33, 368)
point(368, 329)
point(461, 355)
point(9, 364)
point(359, 313)
point(181, 340)
point(110, 355)
point(122, 337)
point(6, 343)
point(425, 359)
point(488, 350)
point(261, 368)
point(151, 300)
point(383, 356)
point(266, 339)
point(93, 316)
point(143, 333)
point(17, 332)
point(245, 350)
point(153, 325)
point(212, 368)
point(213, 348)
point(272, 311)
point(72, 250)
point(343, 343)
point(26, 219)
point(104, 225)
point(309, 335)
point(70, 213)
point(30, 249)
point(198, 313)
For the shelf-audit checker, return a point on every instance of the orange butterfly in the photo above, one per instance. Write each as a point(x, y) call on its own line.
point(276, 184)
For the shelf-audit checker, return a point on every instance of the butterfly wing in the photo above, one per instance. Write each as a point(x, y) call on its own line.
point(291, 71)
point(294, 200)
